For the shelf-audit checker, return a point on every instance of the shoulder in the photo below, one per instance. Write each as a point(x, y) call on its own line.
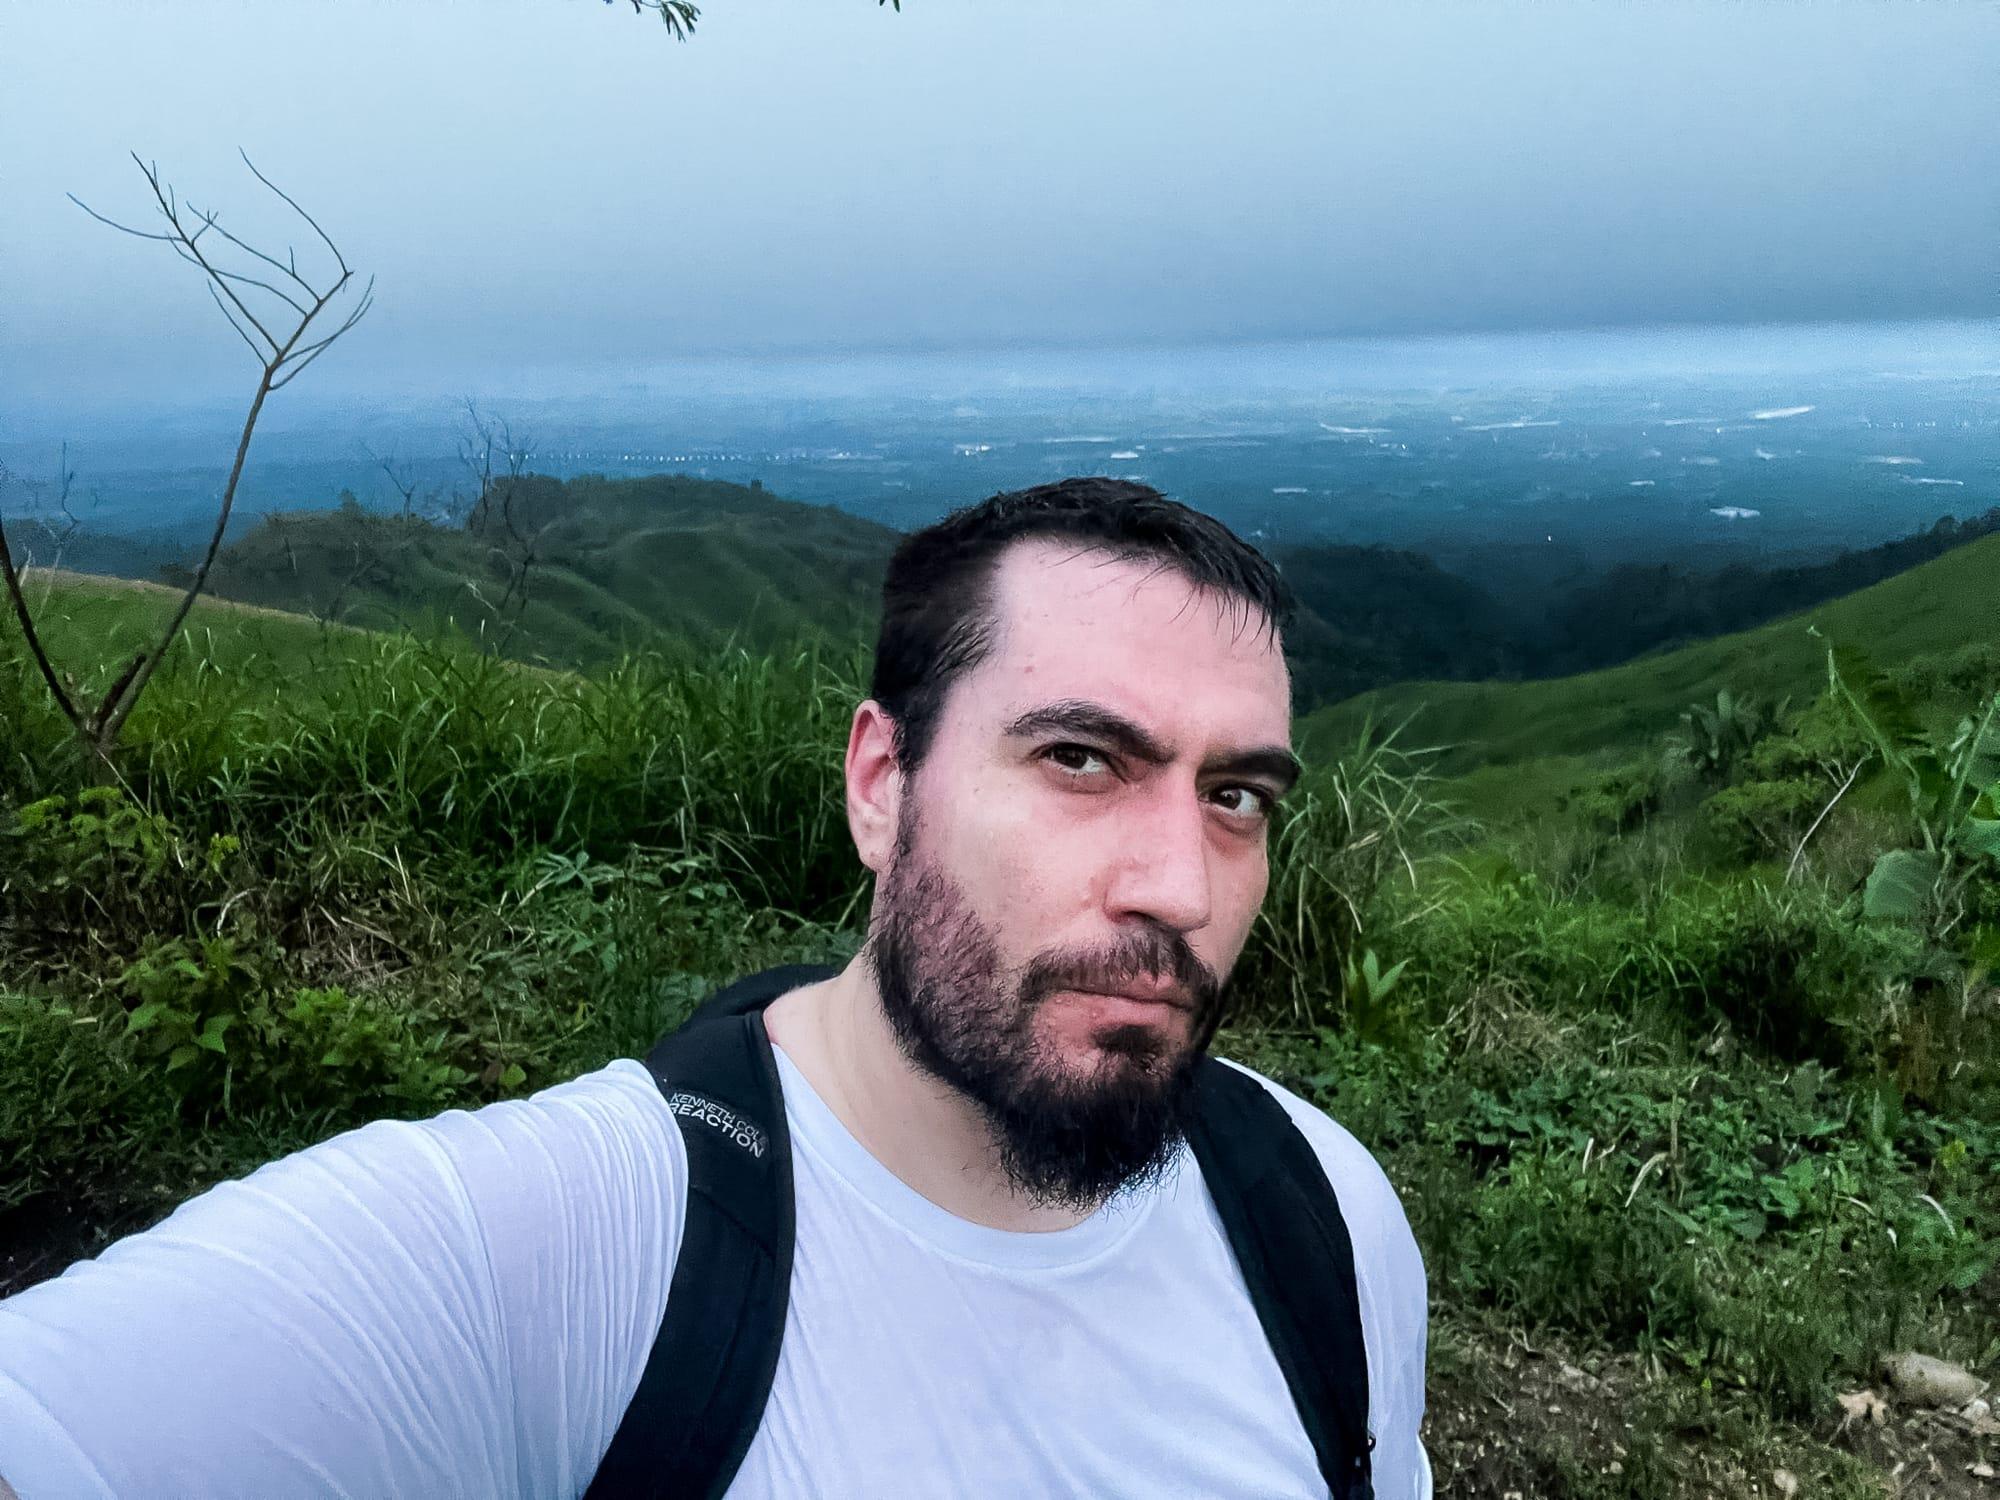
point(599, 1124)
point(464, 1182)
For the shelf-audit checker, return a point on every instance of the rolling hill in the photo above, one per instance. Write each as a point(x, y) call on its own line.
point(611, 565)
point(1948, 604)
point(619, 564)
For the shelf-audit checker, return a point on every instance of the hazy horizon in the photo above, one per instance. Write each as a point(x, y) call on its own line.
point(546, 186)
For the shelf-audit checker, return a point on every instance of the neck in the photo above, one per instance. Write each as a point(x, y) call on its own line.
point(924, 1131)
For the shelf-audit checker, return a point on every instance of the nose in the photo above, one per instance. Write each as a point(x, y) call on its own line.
point(1162, 870)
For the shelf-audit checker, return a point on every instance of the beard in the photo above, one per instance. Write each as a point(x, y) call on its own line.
point(1067, 1137)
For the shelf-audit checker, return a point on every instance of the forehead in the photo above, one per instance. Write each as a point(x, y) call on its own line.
point(1138, 637)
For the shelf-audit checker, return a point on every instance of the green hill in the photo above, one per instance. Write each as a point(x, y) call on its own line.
point(1373, 615)
point(1939, 607)
point(610, 565)
point(618, 564)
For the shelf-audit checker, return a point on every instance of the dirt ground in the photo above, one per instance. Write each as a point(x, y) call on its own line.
point(1514, 1420)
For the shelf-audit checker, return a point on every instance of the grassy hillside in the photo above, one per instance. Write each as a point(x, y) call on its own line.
point(92, 625)
point(1943, 606)
point(611, 566)
point(620, 565)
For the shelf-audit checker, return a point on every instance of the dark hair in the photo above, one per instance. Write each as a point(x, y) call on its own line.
point(937, 600)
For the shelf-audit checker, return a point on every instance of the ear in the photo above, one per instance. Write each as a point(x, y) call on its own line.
point(874, 785)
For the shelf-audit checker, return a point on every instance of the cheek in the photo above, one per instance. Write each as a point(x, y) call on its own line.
point(1013, 861)
point(1242, 877)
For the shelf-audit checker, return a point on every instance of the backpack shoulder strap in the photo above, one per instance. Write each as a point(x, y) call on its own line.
point(1285, 1225)
point(702, 1394)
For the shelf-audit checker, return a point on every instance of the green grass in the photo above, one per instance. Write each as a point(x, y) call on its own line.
point(1941, 607)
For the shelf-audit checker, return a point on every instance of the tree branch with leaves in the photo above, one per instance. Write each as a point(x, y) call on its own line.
point(680, 16)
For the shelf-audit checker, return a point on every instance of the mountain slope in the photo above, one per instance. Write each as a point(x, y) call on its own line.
point(610, 565)
point(1941, 606)
point(1370, 615)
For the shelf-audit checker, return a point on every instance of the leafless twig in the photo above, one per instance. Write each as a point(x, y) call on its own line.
point(288, 320)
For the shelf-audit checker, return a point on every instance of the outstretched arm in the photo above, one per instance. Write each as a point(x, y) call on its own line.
point(456, 1306)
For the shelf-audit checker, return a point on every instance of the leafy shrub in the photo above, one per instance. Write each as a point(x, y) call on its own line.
point(96, 862)
point(1789, 971)
point(1714, 739)
point(209, 1016)
point(1758, 820)
point(1822, 740)
point(74, 1110)
point(1774, 1233)
point(1615, 802)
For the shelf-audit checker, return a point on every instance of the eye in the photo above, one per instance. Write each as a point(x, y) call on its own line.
point(1078, 762)
point(1247, 804)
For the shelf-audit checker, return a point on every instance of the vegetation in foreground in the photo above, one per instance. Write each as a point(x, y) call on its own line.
point(1667, 1105)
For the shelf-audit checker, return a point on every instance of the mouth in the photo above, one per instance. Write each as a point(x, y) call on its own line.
point(1167, 996)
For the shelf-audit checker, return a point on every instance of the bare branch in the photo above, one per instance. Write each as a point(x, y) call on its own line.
point(290, 265)
point(224, 309)
point(11, 576)
point(290, 202)
point(282, 359)
point(141, 234)
point(299, 358)
point(169, 209)
point(264, 286)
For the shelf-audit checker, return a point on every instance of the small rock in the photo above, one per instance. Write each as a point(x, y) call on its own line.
point(1980, 1470)
point(1932, 1382)
point(1863, 1406)
point(1785, 1482)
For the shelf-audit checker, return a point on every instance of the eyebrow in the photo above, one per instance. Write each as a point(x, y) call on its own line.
point(1079, 716)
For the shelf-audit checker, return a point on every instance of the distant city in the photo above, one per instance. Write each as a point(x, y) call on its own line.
point(1689, 444)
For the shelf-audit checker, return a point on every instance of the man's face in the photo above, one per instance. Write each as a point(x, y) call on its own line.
point(1078, 861)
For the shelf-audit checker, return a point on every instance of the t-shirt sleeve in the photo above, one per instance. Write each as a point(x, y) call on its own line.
point(1395, 1306)
point(455, 1306)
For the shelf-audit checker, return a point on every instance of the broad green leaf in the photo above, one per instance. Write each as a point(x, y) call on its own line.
point(1977, 746)
point(513, 1077)
point(1747, 1222)
point(182, 1055)
point(1980, 832)
point(1980, 836)
point(1900, 884)
point(1886, 712)
point(211, 1034)
point(1985, 947)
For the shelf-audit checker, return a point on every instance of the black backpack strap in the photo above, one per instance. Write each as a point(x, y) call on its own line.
point(1292, 1245)
point(702, 1394)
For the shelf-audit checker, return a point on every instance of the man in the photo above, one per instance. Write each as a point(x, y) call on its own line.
point(1008, 1278)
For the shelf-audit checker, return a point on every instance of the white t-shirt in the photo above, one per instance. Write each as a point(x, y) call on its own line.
point(462, 1306)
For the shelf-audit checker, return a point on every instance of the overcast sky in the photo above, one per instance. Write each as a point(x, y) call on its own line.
point(555, 185)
